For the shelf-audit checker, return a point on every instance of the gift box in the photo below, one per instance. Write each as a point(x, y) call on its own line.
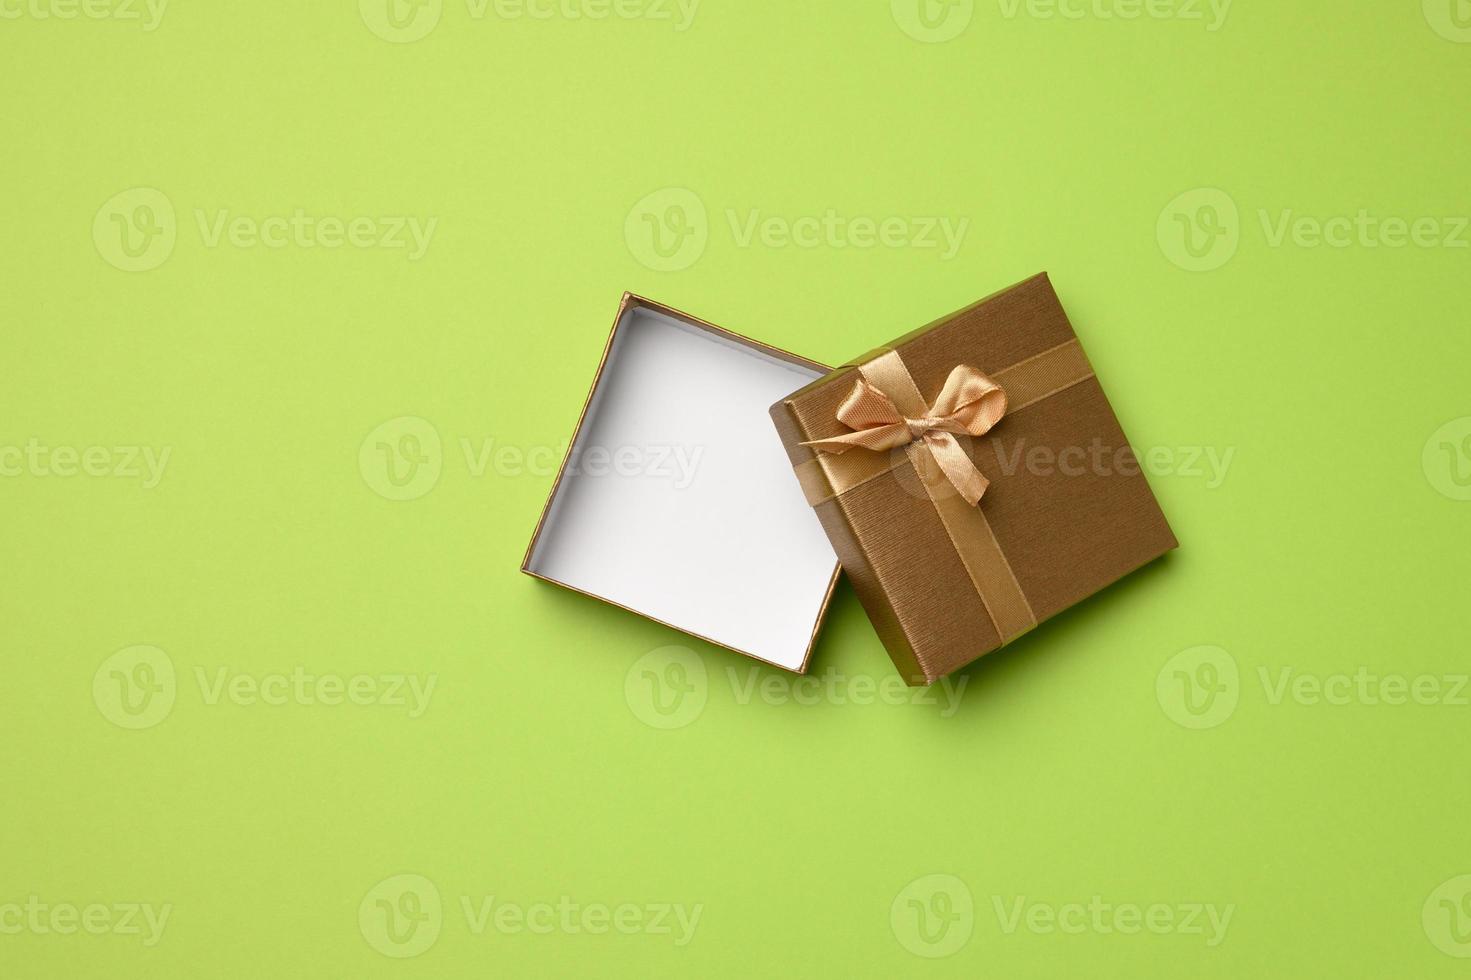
point(972, 478)
point(674, 500)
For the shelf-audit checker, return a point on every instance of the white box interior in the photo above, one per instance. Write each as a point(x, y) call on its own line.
point(678, 500)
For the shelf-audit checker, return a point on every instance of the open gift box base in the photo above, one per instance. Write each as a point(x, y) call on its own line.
point(677, 502)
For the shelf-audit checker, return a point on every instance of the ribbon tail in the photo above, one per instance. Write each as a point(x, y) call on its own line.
point(877, 439)
point(958, 468)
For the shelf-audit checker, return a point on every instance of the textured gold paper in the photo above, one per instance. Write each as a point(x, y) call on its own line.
point(1065, 532)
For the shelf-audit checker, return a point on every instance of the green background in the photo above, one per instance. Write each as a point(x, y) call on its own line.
point(1333, 543)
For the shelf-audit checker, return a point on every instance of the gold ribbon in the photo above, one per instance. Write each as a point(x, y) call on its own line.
point(969, 404)
point(887, 412)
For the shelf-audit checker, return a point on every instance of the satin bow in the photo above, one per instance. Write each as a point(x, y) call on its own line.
point(969, 404)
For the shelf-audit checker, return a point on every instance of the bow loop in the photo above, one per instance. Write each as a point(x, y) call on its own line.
point(969, 404)
point(971, 398)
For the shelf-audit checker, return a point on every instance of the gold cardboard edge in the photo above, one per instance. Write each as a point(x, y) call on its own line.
point(629, 302)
